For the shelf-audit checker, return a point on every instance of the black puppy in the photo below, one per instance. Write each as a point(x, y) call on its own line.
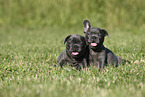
point(76, 52)
point(98, 54)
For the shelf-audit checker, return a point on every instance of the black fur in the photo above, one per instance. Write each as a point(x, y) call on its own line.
point(98, 54)
point(76, 52)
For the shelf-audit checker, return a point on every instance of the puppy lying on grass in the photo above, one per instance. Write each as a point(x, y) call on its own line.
point(76, 52)
point(98, 54)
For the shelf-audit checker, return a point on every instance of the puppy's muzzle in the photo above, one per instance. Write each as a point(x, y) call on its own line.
point(94, 37)
point(75, 47)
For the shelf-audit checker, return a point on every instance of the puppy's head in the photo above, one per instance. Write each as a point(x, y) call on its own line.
point(75, 46)
point(94, 35)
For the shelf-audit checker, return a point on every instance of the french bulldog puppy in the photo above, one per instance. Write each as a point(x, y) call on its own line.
point(98, 54)
point(76, 52)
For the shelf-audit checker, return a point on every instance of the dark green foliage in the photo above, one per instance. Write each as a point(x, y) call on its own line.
point(68, 13)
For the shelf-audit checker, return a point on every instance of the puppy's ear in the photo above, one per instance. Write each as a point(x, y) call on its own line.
point(105, 32)
point(66, 38)
point(86, 25)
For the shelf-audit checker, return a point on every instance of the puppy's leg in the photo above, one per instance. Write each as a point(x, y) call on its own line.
point(61, 59)
point(62, 63)
point(80, 66)
point(102, 57)
point(85, 63)
point(101, 64)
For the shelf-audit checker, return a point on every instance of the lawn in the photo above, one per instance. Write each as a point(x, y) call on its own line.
point(27, 56)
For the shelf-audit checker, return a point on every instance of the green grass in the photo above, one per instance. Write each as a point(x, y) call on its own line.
point(125, 14)
point(31, 38)
point(27, 56)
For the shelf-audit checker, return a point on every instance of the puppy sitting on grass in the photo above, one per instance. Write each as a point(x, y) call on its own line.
point(76, 52)
point(98, 54)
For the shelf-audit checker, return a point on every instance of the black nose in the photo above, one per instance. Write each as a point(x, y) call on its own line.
point(75, 46)
point(93, 37)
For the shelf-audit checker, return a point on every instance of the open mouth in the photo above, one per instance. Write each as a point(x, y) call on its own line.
point(93, 44)
point(75, 53)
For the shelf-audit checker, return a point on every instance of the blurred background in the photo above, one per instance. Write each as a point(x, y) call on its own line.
point(110, 14)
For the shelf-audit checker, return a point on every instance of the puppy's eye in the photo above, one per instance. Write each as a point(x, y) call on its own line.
point(81, 43)
point(100, 35)
point(88, 33)
point(69, 42)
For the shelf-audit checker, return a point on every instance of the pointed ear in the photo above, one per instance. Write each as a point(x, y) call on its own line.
point(67, 38)
point(86, 25)
point(105, 32)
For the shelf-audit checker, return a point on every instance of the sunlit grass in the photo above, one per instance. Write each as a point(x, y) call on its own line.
point(31, 38)
point(27, 57)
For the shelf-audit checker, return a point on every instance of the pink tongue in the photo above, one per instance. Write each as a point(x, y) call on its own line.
point(75, 53)
point(93, 44)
